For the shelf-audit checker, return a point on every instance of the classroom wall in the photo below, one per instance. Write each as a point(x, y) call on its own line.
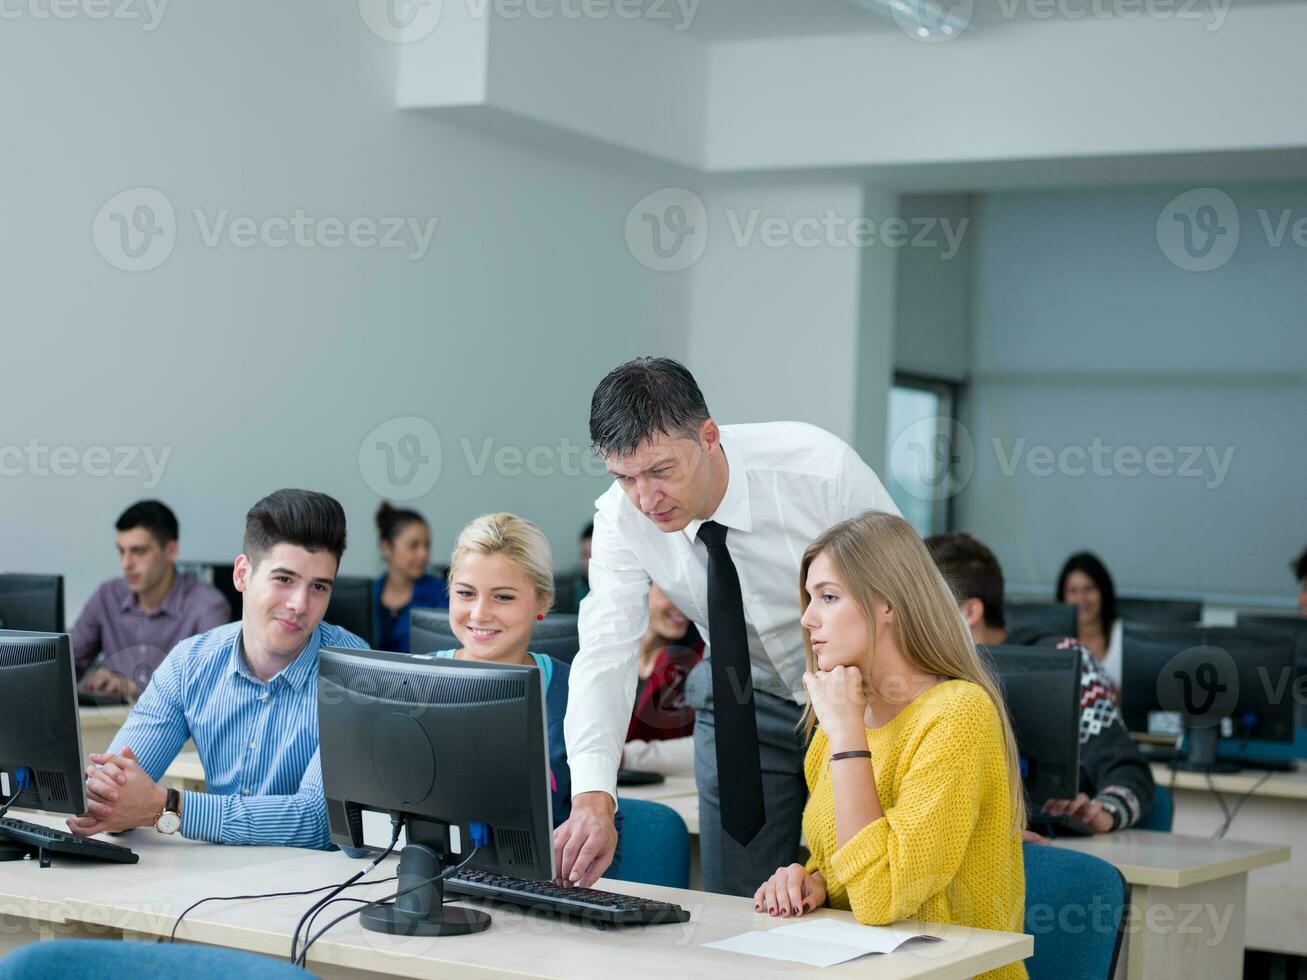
point(256, 366)
point(1093, 335)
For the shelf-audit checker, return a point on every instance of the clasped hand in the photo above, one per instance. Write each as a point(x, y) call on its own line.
point(120, 795)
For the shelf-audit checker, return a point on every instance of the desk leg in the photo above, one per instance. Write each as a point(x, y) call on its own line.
point(1195, 932)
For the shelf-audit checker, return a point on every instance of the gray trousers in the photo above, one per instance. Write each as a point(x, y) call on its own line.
point(730, 868)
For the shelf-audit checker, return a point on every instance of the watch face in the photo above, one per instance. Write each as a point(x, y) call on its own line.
point(168, 823)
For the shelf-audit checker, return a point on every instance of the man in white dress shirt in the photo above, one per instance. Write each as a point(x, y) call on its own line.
point(718, 518)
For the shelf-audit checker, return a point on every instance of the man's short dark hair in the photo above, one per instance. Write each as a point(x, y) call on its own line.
point(308, 520)
point(588, 531)
point(153, 515)
point(971, 571)
point(641, 398)
point(1300, 566)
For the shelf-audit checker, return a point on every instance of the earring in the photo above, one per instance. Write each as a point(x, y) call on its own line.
point(541, 616)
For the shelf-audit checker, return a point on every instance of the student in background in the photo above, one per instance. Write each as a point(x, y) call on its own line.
point(916, 806)
point(405, 542)
point(501, 582)
point(130, 623)
point(1085, 584)
point(1300, 573)
point(1116, 784)
point(246, 693)
point(661, 736)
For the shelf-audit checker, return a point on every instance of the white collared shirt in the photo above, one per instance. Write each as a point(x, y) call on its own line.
point(787, 483)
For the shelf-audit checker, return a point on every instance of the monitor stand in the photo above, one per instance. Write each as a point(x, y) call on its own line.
point(422, 911)
point(1202, 745)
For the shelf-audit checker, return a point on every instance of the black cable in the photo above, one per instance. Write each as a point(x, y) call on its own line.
point(448, 872)
point(8, 803)
point(172, 936)
point(1239, 805)
point(1221, 800)
point(396, 826)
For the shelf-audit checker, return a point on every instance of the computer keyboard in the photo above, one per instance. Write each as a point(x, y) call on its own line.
point(600, 908)
point(48, 840)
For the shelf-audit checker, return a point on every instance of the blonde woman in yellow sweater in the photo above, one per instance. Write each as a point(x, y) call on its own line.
point(915, 805)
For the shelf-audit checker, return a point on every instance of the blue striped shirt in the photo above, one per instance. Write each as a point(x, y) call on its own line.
point(258, 742)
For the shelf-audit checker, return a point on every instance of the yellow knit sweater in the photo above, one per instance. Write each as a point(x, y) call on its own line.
point(945, 849)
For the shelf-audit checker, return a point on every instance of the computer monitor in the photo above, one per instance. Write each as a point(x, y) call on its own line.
point(1143, 610)
point(1041, 689)
point(351, 606)
point(32, 602)
point(1208, 681)
point(40, 732)
point(556, 635)
point(1038, 623)
point(455, 750)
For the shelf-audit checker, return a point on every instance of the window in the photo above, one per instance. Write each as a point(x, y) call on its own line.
point(928, 451)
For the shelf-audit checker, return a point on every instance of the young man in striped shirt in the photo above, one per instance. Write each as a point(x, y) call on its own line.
point(246, 693)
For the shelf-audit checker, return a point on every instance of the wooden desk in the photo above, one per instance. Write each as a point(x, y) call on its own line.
point(1169, 871)
point(1188, 907)
point(1275, 814)
point(142, 901)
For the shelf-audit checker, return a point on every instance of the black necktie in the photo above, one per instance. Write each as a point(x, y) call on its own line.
point(739, 772)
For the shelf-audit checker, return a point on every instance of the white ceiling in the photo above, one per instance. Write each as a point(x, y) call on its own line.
point(733, 20)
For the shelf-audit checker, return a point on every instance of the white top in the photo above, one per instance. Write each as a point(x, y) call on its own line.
point(788, 482)
point(1112, 662)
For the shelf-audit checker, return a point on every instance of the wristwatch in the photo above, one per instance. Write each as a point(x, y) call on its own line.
point(169, 820)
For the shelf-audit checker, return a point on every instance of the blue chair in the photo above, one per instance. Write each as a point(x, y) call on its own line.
point(1161, 814)
point(653, 846)
point(1075, 910)
point(100, 959)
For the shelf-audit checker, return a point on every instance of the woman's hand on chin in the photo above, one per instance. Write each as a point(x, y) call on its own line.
point(839, 700)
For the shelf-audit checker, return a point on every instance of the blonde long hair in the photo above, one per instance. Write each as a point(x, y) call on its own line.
point(878, 556)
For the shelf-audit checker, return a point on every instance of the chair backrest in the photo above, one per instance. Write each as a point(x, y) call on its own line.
point(1161, 814)
point(653, 845)
point(101, 959)
point(1075, 909)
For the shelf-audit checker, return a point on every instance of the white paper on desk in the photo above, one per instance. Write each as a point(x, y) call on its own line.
point(821, 942)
